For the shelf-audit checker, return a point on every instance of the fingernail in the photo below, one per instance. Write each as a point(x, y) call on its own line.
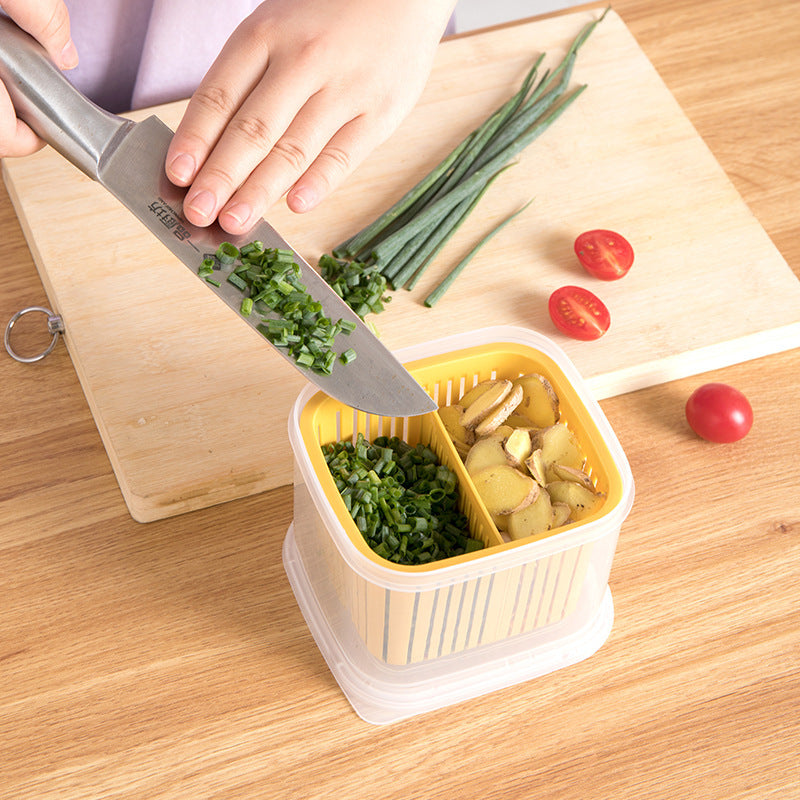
point(69, 56)
point(240, 213)
point(182, 167)
point(203, 204)
point(303, 200)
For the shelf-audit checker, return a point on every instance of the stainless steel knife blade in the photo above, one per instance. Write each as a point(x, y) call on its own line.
point(128, 158)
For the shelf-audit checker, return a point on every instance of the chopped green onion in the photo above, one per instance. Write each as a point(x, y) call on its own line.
point(227, 253)
point(237, 281)
point(251, 248)
point(402, 500)
point(361, 286)
point(305, 360)
point(270, 281)
point(206, 267)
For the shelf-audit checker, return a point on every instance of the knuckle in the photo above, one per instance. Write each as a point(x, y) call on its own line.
point(56, 27)
point(338, 158)
point(293, 152)
point(255, 131)
point(309, 52)
point(215, 99)
point(332, 164)
point(219, 176)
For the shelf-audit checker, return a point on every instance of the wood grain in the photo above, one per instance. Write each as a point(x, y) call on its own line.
point(160, 360)
point(169, 660)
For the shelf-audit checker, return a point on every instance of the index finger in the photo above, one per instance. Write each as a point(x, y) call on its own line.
point(233, 75)
point(48, 22)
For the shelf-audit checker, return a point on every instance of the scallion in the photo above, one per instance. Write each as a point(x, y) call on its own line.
point(407, 507)
point(402, 241)
point(270, 281)
point(227, 253)
point(439, 291)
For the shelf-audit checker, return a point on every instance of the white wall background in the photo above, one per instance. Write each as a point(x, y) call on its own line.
point(471, 14)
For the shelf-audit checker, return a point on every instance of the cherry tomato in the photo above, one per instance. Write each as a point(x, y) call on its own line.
point(578, 313)
point(719, 413)
point(604, 254)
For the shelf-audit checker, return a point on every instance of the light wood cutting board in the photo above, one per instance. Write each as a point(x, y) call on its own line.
point(192, 405)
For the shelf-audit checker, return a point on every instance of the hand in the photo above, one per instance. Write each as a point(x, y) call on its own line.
point(299, 95)
point(47, 21)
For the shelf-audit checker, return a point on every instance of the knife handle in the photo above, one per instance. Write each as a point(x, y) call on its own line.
point(51, 106)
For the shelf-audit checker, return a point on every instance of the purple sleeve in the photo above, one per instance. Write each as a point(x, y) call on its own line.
point(138, 53)
point(183, 39)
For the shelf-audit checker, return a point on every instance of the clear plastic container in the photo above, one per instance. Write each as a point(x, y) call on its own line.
point(402, 640)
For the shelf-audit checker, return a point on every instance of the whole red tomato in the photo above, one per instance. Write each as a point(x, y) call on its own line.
point(719, 413)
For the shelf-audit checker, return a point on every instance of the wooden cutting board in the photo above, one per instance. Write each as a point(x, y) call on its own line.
point(192, 406)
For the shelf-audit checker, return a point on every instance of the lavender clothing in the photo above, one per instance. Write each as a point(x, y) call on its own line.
point(139, 53)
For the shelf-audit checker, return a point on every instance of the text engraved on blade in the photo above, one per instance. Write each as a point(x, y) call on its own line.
point(169, 218)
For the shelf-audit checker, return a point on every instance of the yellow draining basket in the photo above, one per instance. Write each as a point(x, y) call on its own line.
point(378, 613)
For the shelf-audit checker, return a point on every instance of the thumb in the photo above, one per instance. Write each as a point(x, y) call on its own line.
point(48, 22)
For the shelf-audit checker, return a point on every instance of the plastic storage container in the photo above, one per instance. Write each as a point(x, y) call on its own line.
point(401, 640)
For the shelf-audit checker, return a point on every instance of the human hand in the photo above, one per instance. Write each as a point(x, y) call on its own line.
point(47, 21)
point(299, 95)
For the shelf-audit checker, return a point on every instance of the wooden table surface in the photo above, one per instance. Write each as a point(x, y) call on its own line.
point(169, 660)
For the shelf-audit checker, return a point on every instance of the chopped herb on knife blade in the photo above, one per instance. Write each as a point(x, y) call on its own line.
point(269, 278)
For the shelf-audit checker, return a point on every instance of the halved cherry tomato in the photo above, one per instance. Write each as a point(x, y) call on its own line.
point(719, 413)
point(604, 254)
point(578, 313)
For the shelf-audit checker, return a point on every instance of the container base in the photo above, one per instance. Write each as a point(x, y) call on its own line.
point(381, 694)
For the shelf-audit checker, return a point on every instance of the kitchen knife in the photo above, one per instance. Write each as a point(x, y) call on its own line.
point(128, 158)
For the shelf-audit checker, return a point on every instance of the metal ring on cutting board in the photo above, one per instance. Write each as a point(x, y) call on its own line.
point(55, 325)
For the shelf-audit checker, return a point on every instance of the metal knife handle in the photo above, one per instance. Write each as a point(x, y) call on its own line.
point(53, 108)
